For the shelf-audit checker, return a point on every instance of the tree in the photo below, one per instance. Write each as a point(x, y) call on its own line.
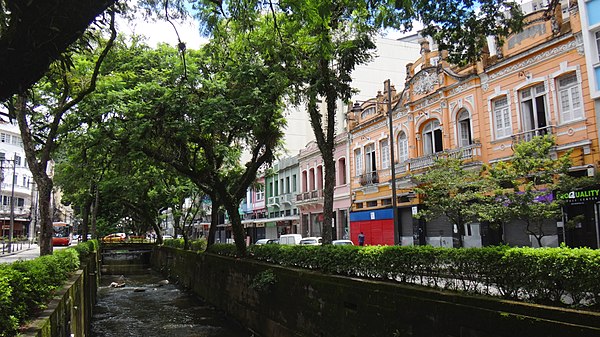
point(40, 113)
point(523, 186)
point(33, 34)
point(449, 189)
point(197, 117)
point(330, 38)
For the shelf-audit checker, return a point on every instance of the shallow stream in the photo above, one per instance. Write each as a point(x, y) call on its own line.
point(142, 307)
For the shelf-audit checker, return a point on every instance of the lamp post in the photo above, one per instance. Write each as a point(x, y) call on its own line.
point(12, 200)
point(393, 168)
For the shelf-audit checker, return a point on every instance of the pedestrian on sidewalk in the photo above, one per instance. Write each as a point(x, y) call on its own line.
point(361, 239)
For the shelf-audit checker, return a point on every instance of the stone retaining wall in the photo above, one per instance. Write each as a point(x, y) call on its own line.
point(70, 311)
point(306, 303)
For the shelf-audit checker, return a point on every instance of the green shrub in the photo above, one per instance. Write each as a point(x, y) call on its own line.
point(27, 286)
point(559, 276)
point(198, 245)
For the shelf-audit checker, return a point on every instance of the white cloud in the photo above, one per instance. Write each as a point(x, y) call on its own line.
point(157, 31)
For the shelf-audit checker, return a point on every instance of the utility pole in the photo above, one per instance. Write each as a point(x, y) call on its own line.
point(393, 168)
point(12, 205)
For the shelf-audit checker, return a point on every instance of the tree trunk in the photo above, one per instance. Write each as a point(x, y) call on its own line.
point(95, 213)
point(85, 215)
point(236, 226)
point(46, 230)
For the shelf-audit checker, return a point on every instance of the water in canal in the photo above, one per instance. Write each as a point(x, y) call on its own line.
point(141, 307)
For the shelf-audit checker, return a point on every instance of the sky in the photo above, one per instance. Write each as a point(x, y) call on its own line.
point(161, 31)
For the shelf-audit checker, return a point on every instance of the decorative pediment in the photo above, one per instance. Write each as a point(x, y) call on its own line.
point(425, 82)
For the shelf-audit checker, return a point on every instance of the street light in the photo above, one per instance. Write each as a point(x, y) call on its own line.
point(393, 168)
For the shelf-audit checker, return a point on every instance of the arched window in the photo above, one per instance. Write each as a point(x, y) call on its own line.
point(432, 138)
point(464, 129)
point(402, 147)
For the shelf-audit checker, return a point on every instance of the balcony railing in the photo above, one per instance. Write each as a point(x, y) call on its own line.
point(528, 135)
point(273, 201)
point(369, 178)
point(313, 195)
point(464, 153)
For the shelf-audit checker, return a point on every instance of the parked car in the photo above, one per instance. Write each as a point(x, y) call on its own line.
point(342, 242)
point(311, 241)
point(167, 237)
point(290, 239)
point(115, 237)
point(266, 241)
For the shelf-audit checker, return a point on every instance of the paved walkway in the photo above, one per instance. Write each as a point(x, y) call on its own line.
point(28, 252)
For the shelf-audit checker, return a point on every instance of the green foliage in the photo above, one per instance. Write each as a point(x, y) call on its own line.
point(558, 276)
point(195, 245)
point(521, 189)
point(449, 189)
point(26, 286)
point(264, 281)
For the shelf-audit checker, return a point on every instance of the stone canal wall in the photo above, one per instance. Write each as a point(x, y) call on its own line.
point(70, 311)
point(299, 302)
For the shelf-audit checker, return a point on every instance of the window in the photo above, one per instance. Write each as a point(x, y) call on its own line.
point(358, 161)
point(276, 190)
point(569, 98)
point(342, 171)
point(372, 203)
point(385, 154)
point(367, 112)
point(271, 190)
point(3, 138)
point(20, 202)
point(502, 124)
point(25, 181)
point(432, 138)
point(294, 188)
point(402, 147)
point(260, 195)
point(370, 160)
point(533, 107)
point(597, 35)
point(464, 129)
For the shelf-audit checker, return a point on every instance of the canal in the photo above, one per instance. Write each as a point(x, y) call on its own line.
point(144, 307)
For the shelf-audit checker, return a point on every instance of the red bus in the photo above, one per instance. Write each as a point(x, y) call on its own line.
point(62, 234)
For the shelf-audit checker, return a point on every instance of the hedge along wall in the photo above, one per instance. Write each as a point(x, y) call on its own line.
point(301, 302)
point(69, 313)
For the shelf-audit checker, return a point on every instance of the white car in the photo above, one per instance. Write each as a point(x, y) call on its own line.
point(342, 242)
point(311, 241)
point(266, 241)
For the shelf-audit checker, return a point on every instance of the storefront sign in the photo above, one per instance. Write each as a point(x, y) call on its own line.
point(579, 196)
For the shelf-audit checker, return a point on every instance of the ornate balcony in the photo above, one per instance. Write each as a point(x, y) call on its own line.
point(466, 153)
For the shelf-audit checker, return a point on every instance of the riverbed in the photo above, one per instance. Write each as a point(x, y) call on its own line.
point(143, 307)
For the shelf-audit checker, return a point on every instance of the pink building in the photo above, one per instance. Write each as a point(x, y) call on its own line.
point(310, 199)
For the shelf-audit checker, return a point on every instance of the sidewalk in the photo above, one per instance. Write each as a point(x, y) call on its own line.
point(28, 252)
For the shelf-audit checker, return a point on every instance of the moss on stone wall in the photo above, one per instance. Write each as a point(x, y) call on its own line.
point(306, 303)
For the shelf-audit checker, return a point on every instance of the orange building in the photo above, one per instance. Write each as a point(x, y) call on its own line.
point(535, 84)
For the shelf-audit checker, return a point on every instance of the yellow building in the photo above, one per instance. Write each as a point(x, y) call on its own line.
point(535, 84)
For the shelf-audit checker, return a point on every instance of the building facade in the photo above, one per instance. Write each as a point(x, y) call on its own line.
point(535, 84)
point(13, 164)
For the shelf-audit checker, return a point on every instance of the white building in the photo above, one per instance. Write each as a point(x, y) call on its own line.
point(13, 163)
point(389, 62)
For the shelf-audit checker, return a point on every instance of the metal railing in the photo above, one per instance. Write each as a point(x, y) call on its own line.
point(464, 153)
point(528, 135)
